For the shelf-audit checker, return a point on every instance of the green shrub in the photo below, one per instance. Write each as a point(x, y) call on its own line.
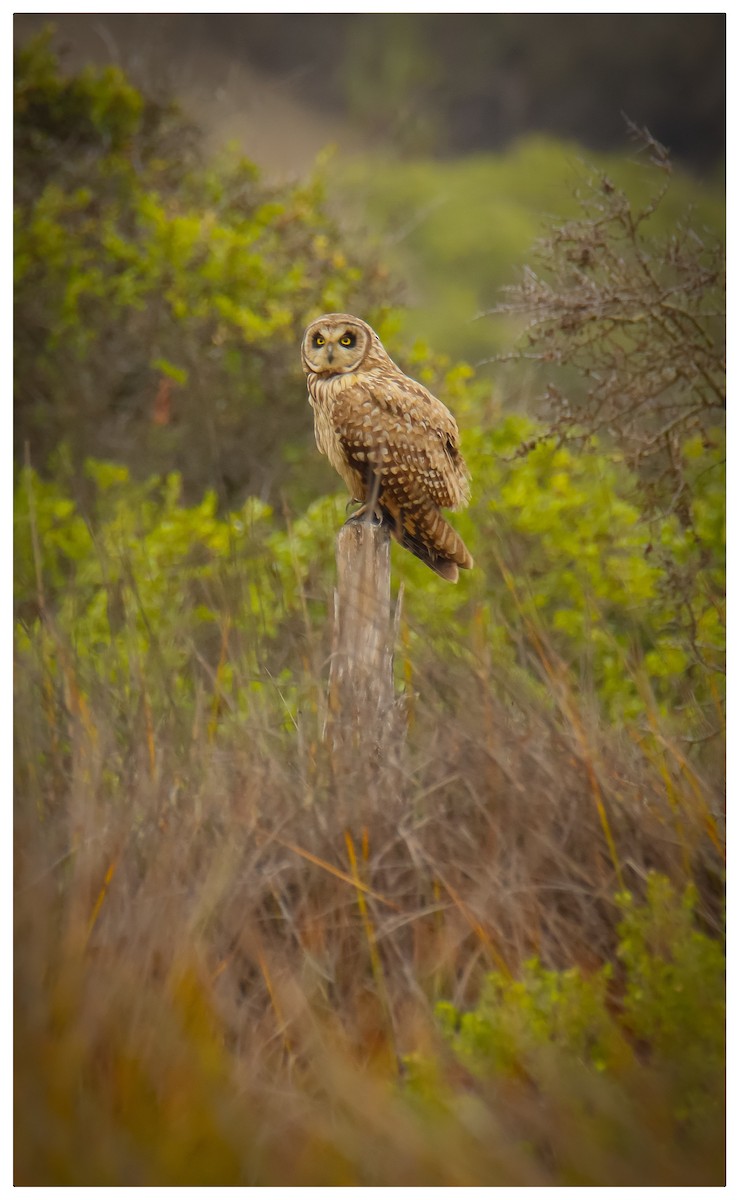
point(158, 301)
point(564, 576)
point(650, 1026)
point(674, 1000)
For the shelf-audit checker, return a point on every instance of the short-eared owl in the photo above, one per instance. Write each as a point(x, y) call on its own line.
point(394, 444)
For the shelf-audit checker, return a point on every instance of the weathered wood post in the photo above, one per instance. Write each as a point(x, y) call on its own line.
point(361, 694)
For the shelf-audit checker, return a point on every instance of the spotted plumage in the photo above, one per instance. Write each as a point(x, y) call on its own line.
point(394, 444)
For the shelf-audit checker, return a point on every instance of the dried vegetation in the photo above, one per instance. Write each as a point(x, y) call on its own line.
point(240, 962)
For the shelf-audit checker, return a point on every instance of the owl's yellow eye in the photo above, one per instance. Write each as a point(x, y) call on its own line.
point(318, 340)
point(348, 339)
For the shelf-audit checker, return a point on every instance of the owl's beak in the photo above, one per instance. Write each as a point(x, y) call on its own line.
point(330, 354)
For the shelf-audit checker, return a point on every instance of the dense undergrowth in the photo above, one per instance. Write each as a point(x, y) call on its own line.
point(496, 955)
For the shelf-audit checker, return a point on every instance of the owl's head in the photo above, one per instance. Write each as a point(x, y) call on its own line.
point(338, 343)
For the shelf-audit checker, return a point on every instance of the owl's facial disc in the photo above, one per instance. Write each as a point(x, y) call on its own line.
point(335, 344)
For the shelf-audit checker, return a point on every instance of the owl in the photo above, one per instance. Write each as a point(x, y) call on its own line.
point(394, 444)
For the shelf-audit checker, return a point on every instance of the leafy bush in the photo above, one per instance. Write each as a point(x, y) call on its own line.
point(583, 1070)
point(565, 574)
point(668, 1013)
point(157, 300)
point(156, 600)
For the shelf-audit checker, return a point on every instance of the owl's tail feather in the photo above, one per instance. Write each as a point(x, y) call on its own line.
point(426, 534)
point(445, 568)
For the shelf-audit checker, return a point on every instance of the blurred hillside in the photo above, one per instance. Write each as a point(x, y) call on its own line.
point(456, 141)
point(457, 232)
point(230, 97)
point(441, 85)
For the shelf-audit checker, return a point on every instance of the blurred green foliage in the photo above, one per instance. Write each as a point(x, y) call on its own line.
point(151, 595)
point(458, 231)
point(564, 563)
point(674, 1001)
point(671, 989)
point(650, 1026)
point(158, 301)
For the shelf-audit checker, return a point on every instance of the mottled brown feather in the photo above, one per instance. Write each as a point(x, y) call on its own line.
point(392, 442)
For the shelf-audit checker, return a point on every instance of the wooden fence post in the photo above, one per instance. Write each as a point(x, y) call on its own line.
point(361, 693)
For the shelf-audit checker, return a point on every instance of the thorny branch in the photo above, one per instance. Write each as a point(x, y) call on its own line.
point(634, 322)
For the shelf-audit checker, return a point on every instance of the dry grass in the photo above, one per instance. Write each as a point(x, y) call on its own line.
point(227, 951)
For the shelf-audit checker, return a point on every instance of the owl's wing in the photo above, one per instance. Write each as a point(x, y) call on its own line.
point(394, 426)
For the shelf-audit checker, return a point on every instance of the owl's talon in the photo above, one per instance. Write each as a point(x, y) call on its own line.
point(363, 514)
